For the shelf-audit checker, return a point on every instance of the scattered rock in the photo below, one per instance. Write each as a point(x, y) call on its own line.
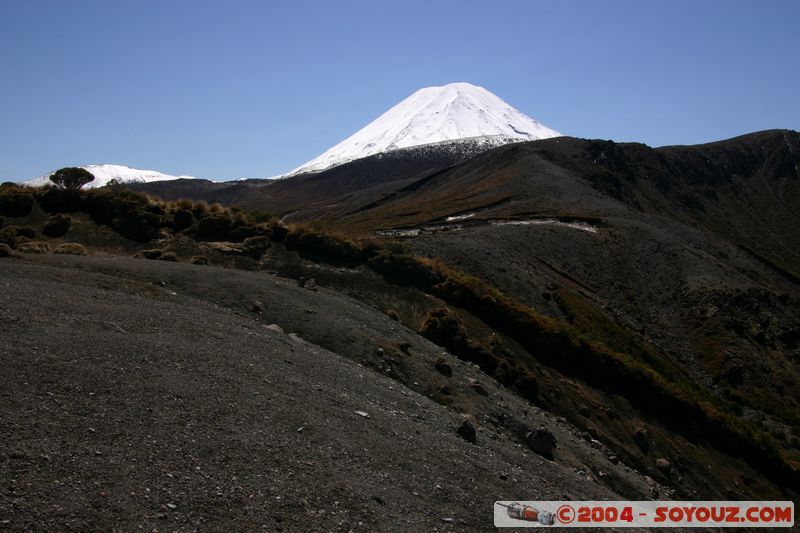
point(467, 431)
point(172, 506)
point(257, 306)
point(310, 285)
point(71, 248)
point(362, 414)
point(391, 313)
point(199, 260)
point(444, 368)
point(664, 465)
point(642, 439)
point(149, 254)
point(168, 256)
point(475, 385)
point(541, 441)
point(275, 327)
point(229, 248)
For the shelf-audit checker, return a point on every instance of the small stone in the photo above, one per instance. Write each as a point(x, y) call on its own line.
point(6, 251)
point(444, 368)
point(467, 431)
point(311, 285)
point(541, 441)
point(664, 464)
point(642, 439)
point(257, 306)
point(172, 506)
point(362, 414)
point(477, 387)
point(275, 327)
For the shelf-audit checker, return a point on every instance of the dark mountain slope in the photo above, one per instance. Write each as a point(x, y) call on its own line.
point(331, 192)
point(147, 394)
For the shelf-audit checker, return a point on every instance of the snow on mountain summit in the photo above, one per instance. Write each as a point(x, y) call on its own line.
point(432, 115)
point(103, 174)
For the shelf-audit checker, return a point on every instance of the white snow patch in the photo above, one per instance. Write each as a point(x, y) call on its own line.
point(583, 226)
point(459, 217)
point(103, 174)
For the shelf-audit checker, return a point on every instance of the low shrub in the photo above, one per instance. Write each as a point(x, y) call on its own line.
point(213, 228)
point(139, 226)
point(16, 200)
point(57, 226)
point(182, 219)
point(15, 235)
point(55, 200)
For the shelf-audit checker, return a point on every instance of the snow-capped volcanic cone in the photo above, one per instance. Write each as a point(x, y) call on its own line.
point(103, 174)
point(454, 112)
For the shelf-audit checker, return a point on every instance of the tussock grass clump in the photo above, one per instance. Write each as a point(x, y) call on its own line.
point(15, 235)
point(34, 247)
point(71, 248)
point(314, 244)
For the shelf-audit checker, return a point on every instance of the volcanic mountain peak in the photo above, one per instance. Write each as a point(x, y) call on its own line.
point(103, 174)
point(431, 115)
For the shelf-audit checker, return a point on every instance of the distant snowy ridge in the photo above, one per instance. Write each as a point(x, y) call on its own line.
point(103, 174)
point(453, 112)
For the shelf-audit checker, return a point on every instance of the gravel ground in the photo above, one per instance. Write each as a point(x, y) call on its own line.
point(144, 396)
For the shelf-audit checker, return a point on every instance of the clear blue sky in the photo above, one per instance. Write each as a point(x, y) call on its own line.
point(226, 89)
